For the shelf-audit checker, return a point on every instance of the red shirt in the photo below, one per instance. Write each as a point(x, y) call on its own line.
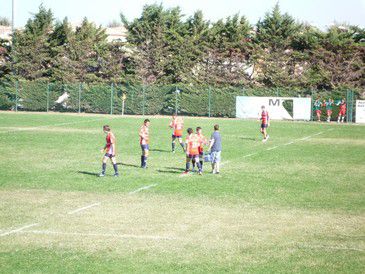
point(343, 106)
point(264, 117)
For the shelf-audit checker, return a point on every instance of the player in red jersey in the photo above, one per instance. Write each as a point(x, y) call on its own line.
point(342, 112)
point(265, 123)
point(177, 124)
point(192, 150)
point(109, 150)
point(144, 141)
point(202, 141)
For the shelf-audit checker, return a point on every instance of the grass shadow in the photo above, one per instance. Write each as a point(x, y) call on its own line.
point(169, 171)
point(89, 173)
point(130, 165)
point(248, 138)
point(160, 150)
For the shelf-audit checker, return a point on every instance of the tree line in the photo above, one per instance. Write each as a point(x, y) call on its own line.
point(165, 47)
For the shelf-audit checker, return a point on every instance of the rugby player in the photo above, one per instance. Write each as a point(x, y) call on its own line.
point(342, 112)
point(202, 141)
point(109, 150)
point(192, 151)
point(144, 142)
point(317, 108)
point(177, 124)
point(265, 123)
point(329, 106)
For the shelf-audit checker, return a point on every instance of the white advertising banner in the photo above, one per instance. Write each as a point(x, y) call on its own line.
point(360, 112)
point(279, 108)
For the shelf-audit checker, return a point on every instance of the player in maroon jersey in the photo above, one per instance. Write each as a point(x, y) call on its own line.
point(109, 150)
point(265, 123)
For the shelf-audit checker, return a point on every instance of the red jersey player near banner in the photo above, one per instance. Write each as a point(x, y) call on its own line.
point(192, 150)
point(177, 124)
point(202, 141)
point(109, 150)
point(342, 112)
point(265, 123)
point(144, 141)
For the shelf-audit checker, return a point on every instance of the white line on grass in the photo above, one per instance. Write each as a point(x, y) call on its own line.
point(271, 148)
point(52, 125)
point(332, 247)
point(142, 188)
point(292, 142)
point(82, 208)
point(249, 155)
point(18, 229)
point(125, 236)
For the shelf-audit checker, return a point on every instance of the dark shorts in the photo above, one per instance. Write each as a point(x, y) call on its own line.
point(145, 147)
point(176, 136)
point(192, 156)
point(109, 155)
point(263, 125)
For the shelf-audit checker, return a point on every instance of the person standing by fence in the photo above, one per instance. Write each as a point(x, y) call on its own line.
point(215, 148)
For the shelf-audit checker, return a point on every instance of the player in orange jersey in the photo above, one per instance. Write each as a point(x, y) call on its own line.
point(109, 150)
point(177, 124)
point(144, 142)
point(192, 150)
point(202, 141)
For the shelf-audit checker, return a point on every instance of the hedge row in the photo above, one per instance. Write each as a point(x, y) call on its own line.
point(103, 98)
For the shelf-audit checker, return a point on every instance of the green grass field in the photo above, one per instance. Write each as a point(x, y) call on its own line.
point(293, 204)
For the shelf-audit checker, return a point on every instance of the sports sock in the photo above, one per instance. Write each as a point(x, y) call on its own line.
point(201, 164)
point(173, 146)
point(145, 161)
point(182, 145)
point(103, 168)
point(142, 160)
point(187, 166)
point(115, 168)
point(193, 161)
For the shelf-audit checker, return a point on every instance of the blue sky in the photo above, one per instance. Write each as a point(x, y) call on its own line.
point(320, 13)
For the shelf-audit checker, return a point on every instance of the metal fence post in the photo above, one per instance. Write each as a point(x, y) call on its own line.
point(48, 89)
point(16, 95)
point(111, 98)
point(176, 91)
point(209, 102)
point(144, 98)
point(80, 88)
point(350, 104)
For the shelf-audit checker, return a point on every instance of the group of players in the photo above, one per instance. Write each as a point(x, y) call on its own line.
point(193, 146)
point(318, 104)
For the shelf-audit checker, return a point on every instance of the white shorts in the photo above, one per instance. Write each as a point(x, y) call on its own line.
point(216, 156)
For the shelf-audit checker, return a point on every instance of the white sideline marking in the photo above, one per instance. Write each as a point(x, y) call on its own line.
point(82, 208)
point(292, 142)
point(142, 188)
point(52, 125)
point(248, 155)
point(306, 138)
point(17, 230)
point(271, 148)
point(124, 236)
point(332, 247)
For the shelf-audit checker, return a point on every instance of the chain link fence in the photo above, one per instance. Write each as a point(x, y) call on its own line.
point(131, 99)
